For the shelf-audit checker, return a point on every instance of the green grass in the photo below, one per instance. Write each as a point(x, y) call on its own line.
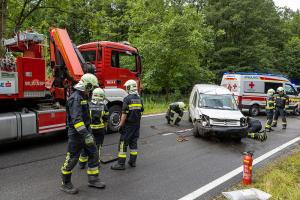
point(281, 178)
point(158, 103)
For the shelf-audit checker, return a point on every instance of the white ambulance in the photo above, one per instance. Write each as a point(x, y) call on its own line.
point(250, 90)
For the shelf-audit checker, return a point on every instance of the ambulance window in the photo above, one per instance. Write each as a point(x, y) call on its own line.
point(195, 99)
point(289, 89)
point(273, 86)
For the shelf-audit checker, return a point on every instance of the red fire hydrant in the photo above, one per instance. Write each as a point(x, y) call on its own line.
point(247, 168)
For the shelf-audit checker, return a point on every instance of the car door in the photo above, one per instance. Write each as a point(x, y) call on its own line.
point(193, 105)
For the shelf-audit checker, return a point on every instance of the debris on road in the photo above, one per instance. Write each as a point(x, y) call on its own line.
point(247, 194)
point(182, 139)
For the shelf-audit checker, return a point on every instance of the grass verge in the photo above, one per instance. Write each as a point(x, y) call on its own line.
point(281, 178)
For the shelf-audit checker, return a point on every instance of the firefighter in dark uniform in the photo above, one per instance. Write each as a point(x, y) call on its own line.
point(175, 113)
point(281, 104)
point(99, 117)
point(132, 110)
point(270, 106)
point(80, 136)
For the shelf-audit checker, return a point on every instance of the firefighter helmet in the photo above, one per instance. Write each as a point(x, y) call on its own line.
point(271, 92)
point(181, 105)
point(280, 89)
point(131, 86)
point(87, 82)
point(98, 95)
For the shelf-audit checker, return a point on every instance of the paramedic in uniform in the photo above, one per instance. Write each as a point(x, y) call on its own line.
point(99, 117)
point(270, 106)
point(281, 104)
point(129, 126)
point(80, 136)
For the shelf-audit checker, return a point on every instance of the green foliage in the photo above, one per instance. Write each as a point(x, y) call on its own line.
point(183, 42)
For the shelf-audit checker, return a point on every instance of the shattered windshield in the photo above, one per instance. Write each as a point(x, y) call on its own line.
point(222, 102)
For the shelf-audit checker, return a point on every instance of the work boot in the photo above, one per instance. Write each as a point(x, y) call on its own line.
point(82, 165)
point(118, 166)
point(274, 125)
point(67, 185)
point(132, 164)
point(284, 126)
point(94, 181)
point(132, 160)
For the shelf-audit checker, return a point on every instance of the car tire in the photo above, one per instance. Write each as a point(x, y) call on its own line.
point(114, 118)
point(254, 110)
point(195, 130)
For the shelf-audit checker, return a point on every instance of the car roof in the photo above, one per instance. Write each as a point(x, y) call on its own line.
point(212, 89)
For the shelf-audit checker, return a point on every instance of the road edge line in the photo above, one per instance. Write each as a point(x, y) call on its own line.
point(206, 188)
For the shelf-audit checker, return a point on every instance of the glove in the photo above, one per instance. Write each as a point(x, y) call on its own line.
point(120, 129)
point(89, 139)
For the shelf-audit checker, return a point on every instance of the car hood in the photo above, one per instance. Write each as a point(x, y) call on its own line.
point(221, 114)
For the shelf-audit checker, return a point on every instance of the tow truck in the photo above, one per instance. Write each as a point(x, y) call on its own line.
point(32, 96)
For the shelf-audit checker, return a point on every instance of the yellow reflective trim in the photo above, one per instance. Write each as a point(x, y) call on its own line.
point(121, 146)
point(66, 172)
point(135, 105)
point(133, 153)
point(83, 159)
point(97, 126)
point(83, 102)
point(79, 124)
point(92, 172)
point(121, 155)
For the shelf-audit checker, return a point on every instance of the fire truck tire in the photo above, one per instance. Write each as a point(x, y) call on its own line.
point(254, 110)
point(114, 118)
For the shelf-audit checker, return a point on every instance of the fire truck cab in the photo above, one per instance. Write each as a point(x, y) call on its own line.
point(250, 90)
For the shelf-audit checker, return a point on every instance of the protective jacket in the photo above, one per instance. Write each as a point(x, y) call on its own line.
point(99, 115)
point(78, 117)
point(281, 101)
point(133, 107)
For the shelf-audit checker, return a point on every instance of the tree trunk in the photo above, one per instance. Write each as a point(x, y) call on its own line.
point(3, 15)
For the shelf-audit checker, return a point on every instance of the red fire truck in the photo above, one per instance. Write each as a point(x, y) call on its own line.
point(32, 98)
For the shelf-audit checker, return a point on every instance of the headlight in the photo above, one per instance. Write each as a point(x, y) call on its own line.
point(205, 120)
point(204, 123)
point(243, 121)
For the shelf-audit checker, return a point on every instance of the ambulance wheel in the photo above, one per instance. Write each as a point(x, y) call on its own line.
point(114, 118)
point(296, 111)
point(254, 110)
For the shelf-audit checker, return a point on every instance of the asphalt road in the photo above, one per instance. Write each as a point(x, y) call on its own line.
point(166, 169)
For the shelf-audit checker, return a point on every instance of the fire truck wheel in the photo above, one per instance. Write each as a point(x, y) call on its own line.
point(254, 110)
point(114, 118)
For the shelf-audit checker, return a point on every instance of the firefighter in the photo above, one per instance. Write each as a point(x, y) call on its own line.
point(270, 106)
point(175, 113)
point(99, 117)
point(80, 136)
point(281, 104)
point(129, 126)
point(254, 130)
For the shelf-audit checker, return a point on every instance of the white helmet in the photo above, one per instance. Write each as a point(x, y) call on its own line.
point(87, 82)
point(271, 92)
point(280, 89)
point(98, 95)
point(131, 86)
point(181, 105)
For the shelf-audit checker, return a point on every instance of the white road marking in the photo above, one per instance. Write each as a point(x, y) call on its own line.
point(199, 192)
point(165, 134)
point(184, 130)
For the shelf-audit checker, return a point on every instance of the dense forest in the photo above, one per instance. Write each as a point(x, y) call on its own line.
point(183, 42)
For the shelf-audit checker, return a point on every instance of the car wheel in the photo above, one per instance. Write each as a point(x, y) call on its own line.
point(254, 110)
point(195, 130)
point(114, 118)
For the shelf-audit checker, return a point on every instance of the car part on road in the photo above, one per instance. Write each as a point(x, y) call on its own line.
point(249, 194)
point(181, 138)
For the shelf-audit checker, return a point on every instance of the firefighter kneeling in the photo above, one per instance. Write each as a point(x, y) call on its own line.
point(99, 117)
point(254, 130)
point(80, 136)
point(175, 113)
point(281, 104)
point(129, 126)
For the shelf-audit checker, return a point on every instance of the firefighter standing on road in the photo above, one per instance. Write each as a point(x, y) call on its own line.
point(270, 106)
point(281, 104)
point(80, 136)
point(130, 126)
point(99, 117)
point(175, 112)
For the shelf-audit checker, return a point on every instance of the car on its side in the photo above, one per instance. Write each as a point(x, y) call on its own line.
point(213, 111)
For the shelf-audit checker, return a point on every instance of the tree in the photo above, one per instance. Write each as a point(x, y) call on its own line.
point(3, 11)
